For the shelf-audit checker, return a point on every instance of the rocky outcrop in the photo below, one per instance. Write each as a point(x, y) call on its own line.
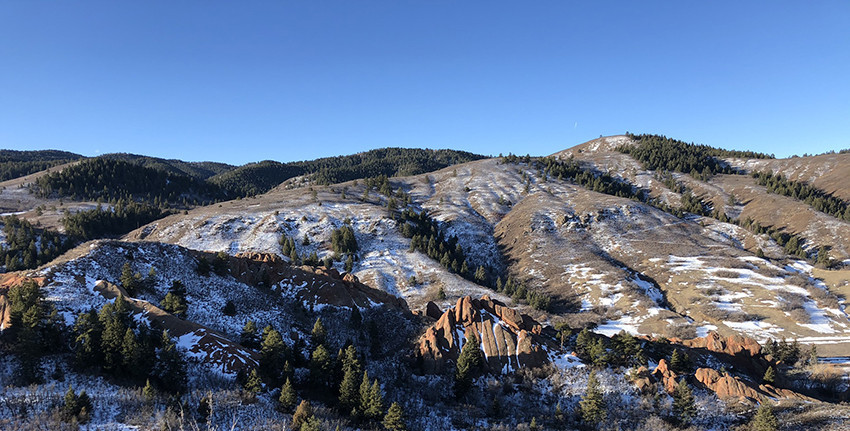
point(314, 286)
point(729, 387)
point(735, 345)
point(509, 340)
point(742, 353)
point(665, 376)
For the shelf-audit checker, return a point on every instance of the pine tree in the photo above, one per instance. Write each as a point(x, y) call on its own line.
point(375, 409)
point(128, 279)
point(287, 397)
point(131, 354)
point(319, 333)
point(769, 376)
point(679, 362)
point(321, 365)
point(364, 393)
point(394, 419)
point(349, 396)
point(312, 424)
point(302, 414)
point(593, 404)
point(148, 392)
point(480, 275)
point(764, 419)
point(170, 371)
point(469, 363)
point(684, 406)
point(70, 407)
point(254, 384)
point(272, 354)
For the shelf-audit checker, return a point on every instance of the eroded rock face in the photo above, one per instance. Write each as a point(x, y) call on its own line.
point(509, 340)
point(667, 377)
point(735, 345)
point(732, 388)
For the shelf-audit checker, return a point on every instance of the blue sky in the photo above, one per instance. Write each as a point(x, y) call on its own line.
point(285, 80)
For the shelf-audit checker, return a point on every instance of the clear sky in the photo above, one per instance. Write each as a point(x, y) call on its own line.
point(291, 80)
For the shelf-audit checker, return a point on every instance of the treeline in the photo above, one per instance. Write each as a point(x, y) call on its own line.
point(118, 219)
point(816, 198)
point(658, 152)
point(15, 164)
point(27, 247)
point(104, 179)
point(256, 178)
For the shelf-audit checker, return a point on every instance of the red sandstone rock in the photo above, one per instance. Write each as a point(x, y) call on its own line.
point(508, 339)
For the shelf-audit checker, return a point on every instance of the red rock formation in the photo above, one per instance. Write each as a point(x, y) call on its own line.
point(732, 388)
point(664, 375)
point(509, 340)
point(735, 345)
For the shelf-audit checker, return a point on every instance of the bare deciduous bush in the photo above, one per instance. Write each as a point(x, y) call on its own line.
point(789, 301)
point(685, 332)
point(800, 315)
point(725, 273)
point(824, 298)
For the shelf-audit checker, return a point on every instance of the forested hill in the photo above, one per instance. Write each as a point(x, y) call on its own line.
point(658, 152)
point(14, 164)
point(200, 170)
point(106, 179)
point(261, 177)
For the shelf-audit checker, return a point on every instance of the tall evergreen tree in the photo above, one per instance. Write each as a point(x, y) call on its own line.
point(764, 419)
point(592, 405)
point(287, 397)
point(469, 364)
point(128, 279)
point(170, 371)
point(375, 407)
point(394, 419)
point(248, 337)
point(349, 396)
point(684, 405)
point(318, 334)
point(272, 355)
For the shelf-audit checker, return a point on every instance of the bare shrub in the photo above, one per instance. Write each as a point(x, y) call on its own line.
point(685, 331)
point(770, 271)
point(824, 297)
point(725, 273)
point(790, 301)
point(800, 315)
